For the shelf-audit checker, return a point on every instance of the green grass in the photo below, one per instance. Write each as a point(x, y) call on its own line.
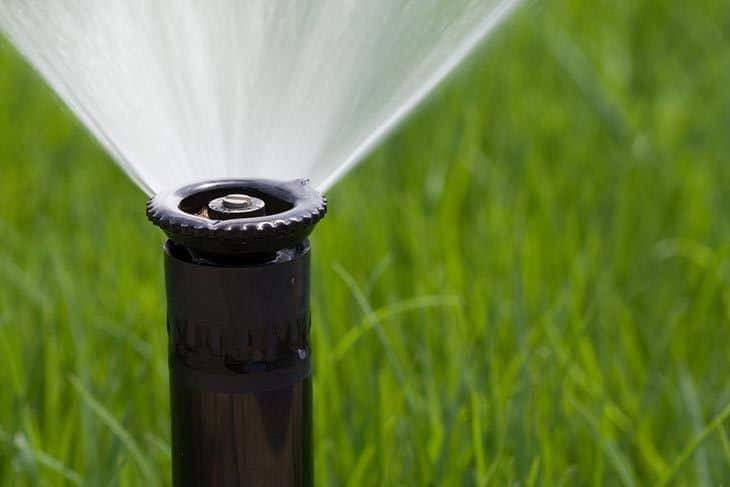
point(528, 284)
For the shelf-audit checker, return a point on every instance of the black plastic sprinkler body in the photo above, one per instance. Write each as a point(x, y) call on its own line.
point(237, 277)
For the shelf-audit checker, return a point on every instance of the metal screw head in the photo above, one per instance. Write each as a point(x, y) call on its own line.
point(236, 205)
point(237, 201)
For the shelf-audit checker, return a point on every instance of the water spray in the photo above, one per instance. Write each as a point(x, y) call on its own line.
point(237, 280)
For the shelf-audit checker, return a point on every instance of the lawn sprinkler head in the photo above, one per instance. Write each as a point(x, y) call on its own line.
point(237, 279)
point(237, 218)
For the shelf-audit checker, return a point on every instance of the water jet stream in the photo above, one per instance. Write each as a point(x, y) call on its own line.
point(179, 91)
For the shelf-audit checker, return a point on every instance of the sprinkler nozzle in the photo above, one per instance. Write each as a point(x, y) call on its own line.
point(238, 218)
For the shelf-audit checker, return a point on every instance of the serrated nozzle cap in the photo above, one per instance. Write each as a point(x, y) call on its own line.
point(293, 208)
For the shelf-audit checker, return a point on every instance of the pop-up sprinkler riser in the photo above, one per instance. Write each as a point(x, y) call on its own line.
point(237, 278)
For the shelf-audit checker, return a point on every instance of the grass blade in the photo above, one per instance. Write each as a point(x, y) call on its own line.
point(122, 434)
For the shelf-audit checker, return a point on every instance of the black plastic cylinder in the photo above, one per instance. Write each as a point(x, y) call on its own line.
point(239, 354)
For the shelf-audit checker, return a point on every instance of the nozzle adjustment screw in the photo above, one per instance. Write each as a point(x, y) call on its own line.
point(236, 205)
point(237, 201)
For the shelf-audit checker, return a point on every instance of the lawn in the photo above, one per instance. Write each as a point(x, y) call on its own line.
point(529, 283)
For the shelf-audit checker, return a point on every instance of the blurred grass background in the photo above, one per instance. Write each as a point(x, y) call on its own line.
point(528, 284)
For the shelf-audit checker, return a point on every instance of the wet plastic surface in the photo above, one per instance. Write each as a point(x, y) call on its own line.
point(239, 371)
point(238, 323)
